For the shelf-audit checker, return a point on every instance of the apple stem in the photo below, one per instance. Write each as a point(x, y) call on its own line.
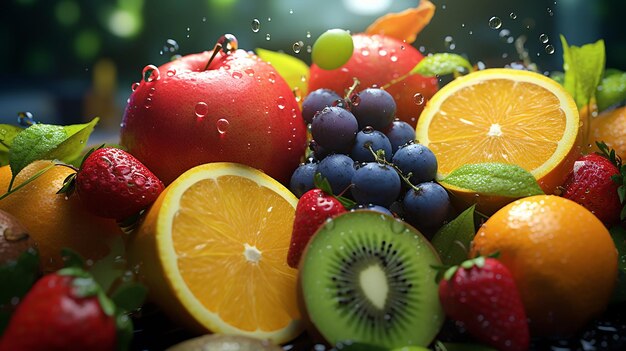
point(216, 49)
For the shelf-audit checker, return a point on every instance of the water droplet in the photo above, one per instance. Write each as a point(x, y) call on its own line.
point(151, 91)
point(449, 42)
point(308, 34)
point(269, 19)
point(550, 13)
point(222, 125)
point(256, 25)
point(356, 100)
point(297, 46)
point(495, 23)
point(544, 38)
point(151, 73)
point(418, 98)
point(229, 43)
point(237, 75)
point(291, 11)
point(268, 37)
point(505, 35)
point(201, 109)
point(148, 103)
point(309, 48)
point(365, 52)
point(134, 86)
point(272, 77)
point(281, 102)
point(382, 52)
point(397, 226)
point(513, 15)
point(170, 46)
point(249, 71)
point(550, 49)
point(171, 72)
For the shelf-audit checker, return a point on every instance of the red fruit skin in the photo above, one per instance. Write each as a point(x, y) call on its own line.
point(590, 185)
point(376, 61)
point(112, 183)
point(488, 303)
point(313, 209)
point(51, 318)
point(251, 117)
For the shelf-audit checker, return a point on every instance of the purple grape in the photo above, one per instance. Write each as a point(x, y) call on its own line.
point(316, 101)
point(375, 108)
point(338, 169)
point(399, 134)
point(318, 151)
point(302, 178)
point(418, 160)
point(376, 183)
point(366, 138)
point(334, 129)
point(428, 207)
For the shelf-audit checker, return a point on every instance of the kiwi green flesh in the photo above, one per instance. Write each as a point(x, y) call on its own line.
point(368, 278)
point(220, 342)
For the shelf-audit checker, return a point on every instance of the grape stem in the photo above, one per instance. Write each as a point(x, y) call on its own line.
point(379, 157)
point(351, 90)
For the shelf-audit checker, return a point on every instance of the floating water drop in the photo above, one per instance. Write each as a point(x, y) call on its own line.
point(148, 103)
point(495, 23)
point(549, 49)
point(308, 34)
point(544, 38)
point(281, 102)
point(418, 98)
point(291, 11)
point(201, 109)
point(268, 36)
point(505, 35)
point(256, 25)
point(151, 73)
point(170, 46)
point(297, 46)
point(449, 42)
point(269, 19)
point(512, 15)
point(134, 86)
point(550, 13)
point(222, 125)
point(229, 43)
point(309, 48)
point(25, 119)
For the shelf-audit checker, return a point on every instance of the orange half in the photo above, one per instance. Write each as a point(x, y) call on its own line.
point(213, 250)
point(507, 116)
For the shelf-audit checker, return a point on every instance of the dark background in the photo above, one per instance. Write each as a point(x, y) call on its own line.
point(67, 61)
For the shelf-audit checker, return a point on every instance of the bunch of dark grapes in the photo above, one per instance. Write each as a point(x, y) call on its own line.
point(367, 154)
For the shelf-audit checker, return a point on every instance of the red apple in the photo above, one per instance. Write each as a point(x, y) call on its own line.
point(377, 60)
point(238, 109)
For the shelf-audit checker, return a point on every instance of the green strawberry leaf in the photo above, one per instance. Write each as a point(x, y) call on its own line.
point(48, 142)
point(584, 67)
point(495, 179)
point(442, 64)
point(18, 276)
point(611, 90)
point(323, 184)
point(453, 240)
point(293, 70)
point(129, 296)
point(7, 134)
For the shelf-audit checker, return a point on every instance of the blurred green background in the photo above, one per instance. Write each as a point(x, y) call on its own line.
point(67, 61)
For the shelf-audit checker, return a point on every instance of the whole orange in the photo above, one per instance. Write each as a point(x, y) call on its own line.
point(54, 220)
point(610, 127)
point(562, 258)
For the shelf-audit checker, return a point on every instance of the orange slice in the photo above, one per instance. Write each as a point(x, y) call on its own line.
point(213, 251)
point(503, 115)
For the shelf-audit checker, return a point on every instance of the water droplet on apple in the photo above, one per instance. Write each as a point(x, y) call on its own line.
point(151, 91)
point(222, 125)
point(229, 43)
point(148, 103)
point(171, 72)
point(25, 119)
point(249, 71)
point(201, 109)
point(418, 98)
point(281, 102)
point(237, 75)
point(256, 25)
point(495, 23)
point(393, 58)
point(151, 73)
point(382, 52)
point(170, 46)
point(134, 86)
point(272, 77)
point(365, 53)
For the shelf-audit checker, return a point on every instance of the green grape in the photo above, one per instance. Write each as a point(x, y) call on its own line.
point(332, 49)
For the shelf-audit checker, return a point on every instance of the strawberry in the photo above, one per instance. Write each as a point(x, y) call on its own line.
point(314, 208)
point(65, 311)
point(591, 184)
point(481, 294)
point(112, 183)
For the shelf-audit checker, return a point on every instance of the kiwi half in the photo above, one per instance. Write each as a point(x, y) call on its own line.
point(367, 278)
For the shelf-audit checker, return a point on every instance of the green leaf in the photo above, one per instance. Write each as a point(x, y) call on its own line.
point(583, 68)
point(453, 240)
point(130, 296)
point(611, 90)
point(292, 69)
point(124, 326)
point(18, 276)
point(442, 64)
point(499, 179)
point(48, 142)
point(7, 134)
